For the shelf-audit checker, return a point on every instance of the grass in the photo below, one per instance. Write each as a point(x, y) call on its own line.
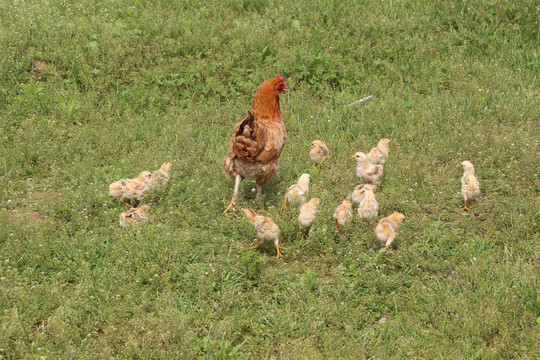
point(91, 92)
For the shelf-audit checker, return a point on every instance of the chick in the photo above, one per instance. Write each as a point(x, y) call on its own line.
point(297, 193)
point(161, 177)
point(266, 229)
point(369, 207)
point(131, 188)
point(387, 228)
point(343, 214)
point(135, 216)
point(307, 215)
point(358, 194)
point(365, 170)
point(470, 187)
point(318, 152)
point(379, 154)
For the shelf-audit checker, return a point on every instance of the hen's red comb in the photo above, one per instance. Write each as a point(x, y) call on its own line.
point(280, 77)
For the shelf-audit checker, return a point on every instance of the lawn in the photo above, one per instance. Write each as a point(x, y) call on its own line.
point(95, 91)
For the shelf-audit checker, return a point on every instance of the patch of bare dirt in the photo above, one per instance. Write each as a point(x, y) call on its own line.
point(40, 65)
point(36, 216)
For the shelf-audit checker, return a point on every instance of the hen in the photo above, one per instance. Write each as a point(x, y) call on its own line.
point(257, 140)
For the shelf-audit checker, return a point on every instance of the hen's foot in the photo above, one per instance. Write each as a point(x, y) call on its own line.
point(232, 206)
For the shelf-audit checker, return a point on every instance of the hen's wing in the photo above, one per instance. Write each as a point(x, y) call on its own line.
point(248, 139)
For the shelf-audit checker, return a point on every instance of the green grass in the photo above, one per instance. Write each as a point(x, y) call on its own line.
point(93, 91)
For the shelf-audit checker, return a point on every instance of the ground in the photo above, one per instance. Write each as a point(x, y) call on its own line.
point(91, 92)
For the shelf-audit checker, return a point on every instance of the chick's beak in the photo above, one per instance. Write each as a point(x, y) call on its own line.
point(352, 157)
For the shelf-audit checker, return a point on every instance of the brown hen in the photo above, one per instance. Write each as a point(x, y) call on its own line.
point(257, 140)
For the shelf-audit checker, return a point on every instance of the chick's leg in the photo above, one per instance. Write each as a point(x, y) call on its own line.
point(232, 204)
point(465, 206)
point(284, 207)
point(337, 224)
point(390, 240)
point(276, 242)
point(257, 245)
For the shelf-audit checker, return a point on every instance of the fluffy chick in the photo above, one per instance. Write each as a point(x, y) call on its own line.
point(266, 229)
point(369, 207)
point(131, 188)
point(367, 171)
point(307, 215)
point(343, 214)
point(318, 152)
point(470, 187)
point(297, 193)
point(161, 177)
point(387, 228)
point(358, 194)
point(135, 216)
point(379, 154)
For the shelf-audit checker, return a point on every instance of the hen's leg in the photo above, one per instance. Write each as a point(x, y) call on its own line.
point(232, 204)
point(259, 190)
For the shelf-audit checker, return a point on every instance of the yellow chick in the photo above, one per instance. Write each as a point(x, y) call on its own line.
point(297, 193)
point(318, 152)
point(135, 216)
point(307, 215)
point(369, 207)
point(358, 194)
point(387, 228)
point(379, 154)
point(367, 171)
point(161, 177)
point(470, 187)
point(266, 229)
point(131, 188)
point(343, 214)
